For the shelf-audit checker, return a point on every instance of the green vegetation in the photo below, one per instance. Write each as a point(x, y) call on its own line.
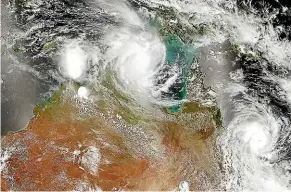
point(50, 101)
point(193, 107)
point(128, 115)
point(49, 45)
point(108, 83)
point(217, 118)
point(18, 48)
point(240, 51)
point(120, 101)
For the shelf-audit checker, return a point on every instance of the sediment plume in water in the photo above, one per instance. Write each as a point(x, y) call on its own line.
point(244, 57)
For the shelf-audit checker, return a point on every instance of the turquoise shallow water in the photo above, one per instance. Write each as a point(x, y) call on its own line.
point(181, 54)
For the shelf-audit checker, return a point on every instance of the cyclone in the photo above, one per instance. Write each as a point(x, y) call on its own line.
point(148, 59)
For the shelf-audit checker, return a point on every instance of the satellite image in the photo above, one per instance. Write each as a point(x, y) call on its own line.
point(145, 95)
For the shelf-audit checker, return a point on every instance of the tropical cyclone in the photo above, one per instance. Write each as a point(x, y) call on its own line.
point(100, 128)
point(104, 127)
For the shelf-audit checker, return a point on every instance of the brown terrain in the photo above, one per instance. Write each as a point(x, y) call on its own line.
point(62, 150)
